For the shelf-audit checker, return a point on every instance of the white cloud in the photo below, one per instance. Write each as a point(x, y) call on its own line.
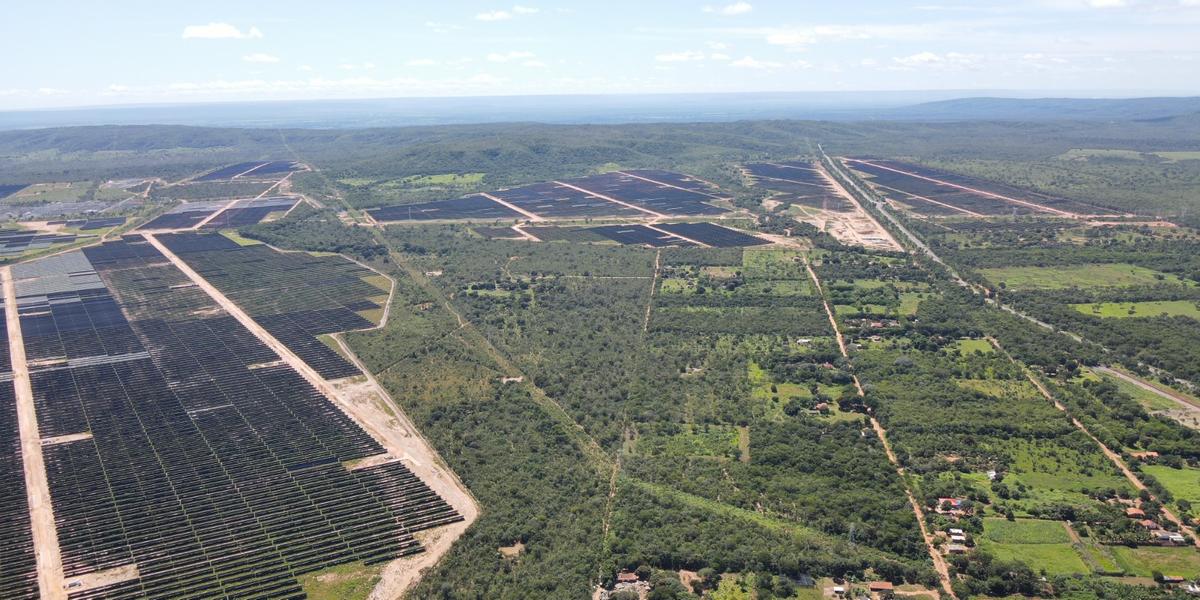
point(260, 57)
point(505, 15)
point(420, 62)
point(932, 59)
point(49, 91)
point(117, 88)
point(748, 62)
point(730, 10)
point(501, 57)
point(436, 27)
point(534, 64)
point(724, 46)
point(718, 56)
point(304, 68)
point(219, 31)
point(1108, 3)
point(798, 37)
point(366, 66)
point(684, 56)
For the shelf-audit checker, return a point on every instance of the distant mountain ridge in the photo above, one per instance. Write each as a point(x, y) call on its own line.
point(945, 105)
point(1041, 109)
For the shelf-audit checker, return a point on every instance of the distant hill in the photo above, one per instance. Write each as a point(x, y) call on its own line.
point(940, 105)
point(1041, 109)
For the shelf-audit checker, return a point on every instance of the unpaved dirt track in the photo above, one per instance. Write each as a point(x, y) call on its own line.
point(513, 207)
point(370, 406)
point(37, 486)
point(939, 563)
point(1112, 456)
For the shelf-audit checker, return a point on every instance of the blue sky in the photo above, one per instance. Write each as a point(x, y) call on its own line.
point(120, 52)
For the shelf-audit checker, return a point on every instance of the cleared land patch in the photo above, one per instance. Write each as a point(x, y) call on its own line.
point(1154, 308)
point(1067, 276)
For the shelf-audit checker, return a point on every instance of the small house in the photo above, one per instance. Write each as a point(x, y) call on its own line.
point(1135, 513)
point(958, 539)
point(1173, 579)
point(884, 589)
point(955, 531)
point(956, 549)
point(1147, 524)
point(627, 577)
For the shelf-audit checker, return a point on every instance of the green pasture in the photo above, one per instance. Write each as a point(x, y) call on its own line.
point(1040, 544)
point(1082, 276)
point(1184, 484)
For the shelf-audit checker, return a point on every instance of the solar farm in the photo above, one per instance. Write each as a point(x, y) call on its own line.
point(184, 455)
point(933, 193)
point(634, 194)
point(249, 212)
point(252, 170)
point(803, 190)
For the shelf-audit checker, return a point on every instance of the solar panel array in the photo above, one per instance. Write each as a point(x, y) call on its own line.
point(13, 242)
point(637, 193)
point(249, 212)
point(185, 216)
point(251, 169)
point(210, 465)
point(18, 565)
point(293, 295)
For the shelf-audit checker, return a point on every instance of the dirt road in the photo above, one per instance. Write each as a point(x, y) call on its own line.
point(1113, 457)
point(37, 486)
point(370, 406)
point(939, 562)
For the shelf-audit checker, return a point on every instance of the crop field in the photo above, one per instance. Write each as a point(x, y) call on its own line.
point(1153, 308)
point(199, 440)
point(249, 212)
point(967, 195)
point(1040, 544)
point(476, 207)
point(712, 235)
point(294, 295)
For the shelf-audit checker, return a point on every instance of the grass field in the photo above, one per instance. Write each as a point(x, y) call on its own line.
point(1084, 276)
point(353, 581)
point(1149, 400)
point(1183, 483)
point(1144, 560)
point(1040, 544)
point(1123, 310)
point(970, 346)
